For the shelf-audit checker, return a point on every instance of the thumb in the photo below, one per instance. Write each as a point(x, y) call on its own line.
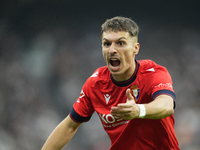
point(129, 95)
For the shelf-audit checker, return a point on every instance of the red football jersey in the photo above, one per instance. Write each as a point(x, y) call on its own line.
point(101, 92)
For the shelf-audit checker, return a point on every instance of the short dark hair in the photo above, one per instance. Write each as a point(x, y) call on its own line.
point(120, 24)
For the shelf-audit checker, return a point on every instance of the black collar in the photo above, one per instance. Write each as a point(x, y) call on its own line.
point(130, 80)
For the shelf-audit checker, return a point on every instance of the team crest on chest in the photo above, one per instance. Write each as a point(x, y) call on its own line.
point(135, 92)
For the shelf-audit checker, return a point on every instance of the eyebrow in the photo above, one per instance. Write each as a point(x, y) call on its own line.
point(116, 40)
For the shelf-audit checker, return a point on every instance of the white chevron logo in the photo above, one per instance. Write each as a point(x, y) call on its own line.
point(151, 69)
point(95, 74)
point(107, 97)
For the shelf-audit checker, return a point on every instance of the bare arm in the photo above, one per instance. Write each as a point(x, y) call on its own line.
point(61, 134)
point(159, 108)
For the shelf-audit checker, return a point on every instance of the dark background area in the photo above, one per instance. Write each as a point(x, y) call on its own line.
point(49, 48)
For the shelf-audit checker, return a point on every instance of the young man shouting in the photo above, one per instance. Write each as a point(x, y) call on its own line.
point(134, 99)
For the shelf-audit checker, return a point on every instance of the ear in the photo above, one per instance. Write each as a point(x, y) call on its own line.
point(136, 48)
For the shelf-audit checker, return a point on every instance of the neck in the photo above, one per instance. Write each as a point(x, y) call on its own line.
point(126, 75)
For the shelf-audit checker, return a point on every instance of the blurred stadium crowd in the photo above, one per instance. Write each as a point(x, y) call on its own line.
point(45, 60)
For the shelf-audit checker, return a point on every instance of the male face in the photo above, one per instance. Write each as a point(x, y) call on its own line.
point(119, 50)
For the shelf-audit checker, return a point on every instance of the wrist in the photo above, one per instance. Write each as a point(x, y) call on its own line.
point(142, 113)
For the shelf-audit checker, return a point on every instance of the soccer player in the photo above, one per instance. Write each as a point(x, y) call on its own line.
point(134, 99)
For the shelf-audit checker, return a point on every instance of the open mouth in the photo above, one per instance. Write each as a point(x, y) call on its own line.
point(115, 62)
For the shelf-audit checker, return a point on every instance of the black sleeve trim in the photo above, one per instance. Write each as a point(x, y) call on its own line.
point(77, 118)
point(166, 92)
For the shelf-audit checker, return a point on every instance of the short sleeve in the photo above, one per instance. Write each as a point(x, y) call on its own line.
point(160, 82)
point(82, 109)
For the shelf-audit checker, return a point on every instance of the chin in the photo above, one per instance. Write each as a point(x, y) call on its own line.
point(116, 73)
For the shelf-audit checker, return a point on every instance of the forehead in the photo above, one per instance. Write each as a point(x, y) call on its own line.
point(112, 36)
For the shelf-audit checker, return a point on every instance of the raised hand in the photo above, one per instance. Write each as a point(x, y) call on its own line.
point(128, 110)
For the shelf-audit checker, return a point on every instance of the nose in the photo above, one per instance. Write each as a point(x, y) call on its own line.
point(112, 49)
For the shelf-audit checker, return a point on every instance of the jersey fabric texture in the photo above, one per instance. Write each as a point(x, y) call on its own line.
point(100, 92)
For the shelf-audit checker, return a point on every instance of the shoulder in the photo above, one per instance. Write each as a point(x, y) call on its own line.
point(99, 74)
point(98, 79)
point(153, 73)
point(149, 66)
point(155, 77)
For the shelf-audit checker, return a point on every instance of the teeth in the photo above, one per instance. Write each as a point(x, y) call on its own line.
point(113, 59)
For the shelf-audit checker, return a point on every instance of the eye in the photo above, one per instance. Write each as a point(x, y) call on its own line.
point(106, 44)
point(120, 43)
